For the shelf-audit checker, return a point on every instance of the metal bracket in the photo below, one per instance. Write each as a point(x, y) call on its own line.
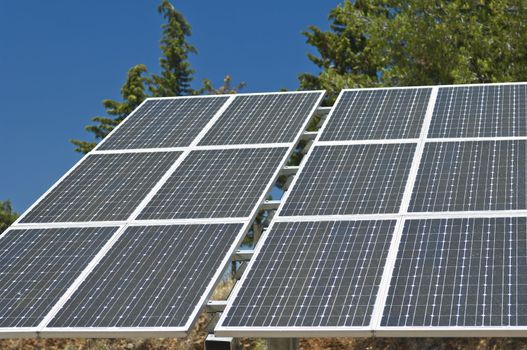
point(243, 255)
point(270, 204)
point(214, 306)
point(289, 170)
point(309, 135)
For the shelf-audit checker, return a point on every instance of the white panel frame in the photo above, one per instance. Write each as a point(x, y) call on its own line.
point(375, 329)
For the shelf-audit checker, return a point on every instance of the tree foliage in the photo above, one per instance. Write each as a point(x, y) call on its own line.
point(174, 79)
point(420, 42)
point(7, 215)
point(226, 88)
point(133, 94)
point(176, 73)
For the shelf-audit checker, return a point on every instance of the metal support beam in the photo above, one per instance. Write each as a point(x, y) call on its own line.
point(220, 343)
point(270, 204)
point(243, 255)
point(214, 306)
point(289, 170)
point(282, 344)
point(309, 135)
point(323, 111)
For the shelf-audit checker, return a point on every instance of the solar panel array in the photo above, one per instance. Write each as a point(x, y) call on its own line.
point(135, 236)
point(406, 218)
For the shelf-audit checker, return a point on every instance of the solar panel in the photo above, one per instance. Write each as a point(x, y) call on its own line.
point(460, 273)
point(38, 265)
point(154, 276)
point(151, 278)
point(267, 118)
point(351, 179)
point(161, 123)
point(314, 274)
point(216, 184)
point(480, 111)
point(103, 187)
point(453, 248)
point(377, 114)
point(471, 175)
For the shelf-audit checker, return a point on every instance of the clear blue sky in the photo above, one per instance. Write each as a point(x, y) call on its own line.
point(59, 59)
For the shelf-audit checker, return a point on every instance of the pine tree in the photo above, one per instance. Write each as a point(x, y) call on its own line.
point(346, 57)
point(226, 88)
point(176, 73)
point(7, 215)
point(133, 94)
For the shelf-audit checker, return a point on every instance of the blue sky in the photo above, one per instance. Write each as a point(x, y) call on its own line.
point(59, 59)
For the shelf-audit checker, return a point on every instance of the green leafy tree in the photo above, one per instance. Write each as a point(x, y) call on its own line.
point(176, 73)
point(7, 215)
point(419, 42)
point(133, 94)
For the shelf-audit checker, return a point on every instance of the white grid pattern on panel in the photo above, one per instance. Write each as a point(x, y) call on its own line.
point(46, 331)
point(215, 183)
point(164, 123)
point(481, 111)
point(103, 188)
point(26, 253)
point(301, 260)
point(145, 263)
point(378, 114)
point(473, 268)
point(466, 176)
point(261, 118)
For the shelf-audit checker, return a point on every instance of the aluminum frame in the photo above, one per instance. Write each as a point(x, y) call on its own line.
point(375, 328)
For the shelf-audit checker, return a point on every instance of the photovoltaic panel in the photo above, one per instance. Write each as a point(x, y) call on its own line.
point(104, 187)
point(266, 118)
point(378, 114)
point(38, 265)
point(314, 274)
point(471, 175)
point(351, 179)
point(460, 273)
point(480, 111)
point(153, 276)
point(215, 184)
point(161, 123)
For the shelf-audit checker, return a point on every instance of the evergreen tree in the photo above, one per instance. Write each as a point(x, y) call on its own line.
point(7, 215)
point(176, 74)
point(419, 42)
point(174, 79)
point(133, 94)
point(345, 51)
point(226, 88)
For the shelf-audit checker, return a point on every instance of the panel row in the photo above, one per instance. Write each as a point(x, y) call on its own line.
point(371, 179)
point(207, 184)
point(464, 111)
point(153, 276)
point(247, 119)
point(462, 272)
